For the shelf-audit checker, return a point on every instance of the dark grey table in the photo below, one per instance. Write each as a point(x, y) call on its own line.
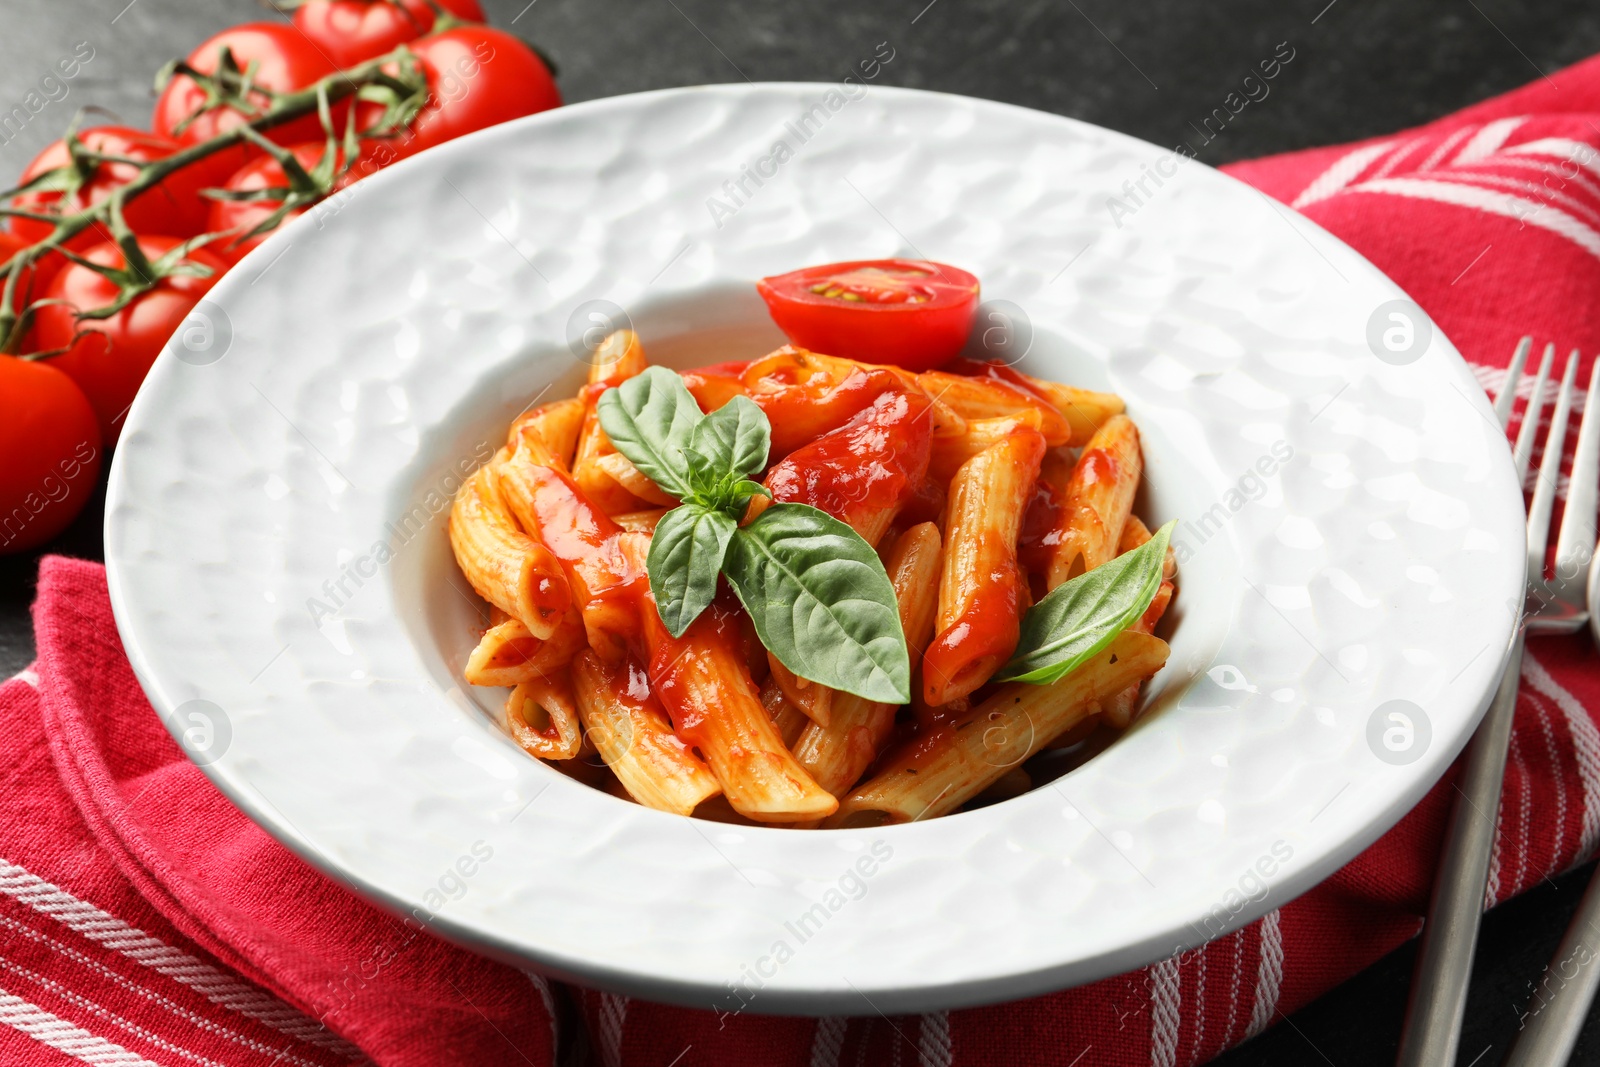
point(1147, 69)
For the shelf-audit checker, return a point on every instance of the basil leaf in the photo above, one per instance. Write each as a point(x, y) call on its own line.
point(1081, 617)
point(821, 602)
point(650, 419)
point(706, 481)
point(735, 437)
point(685, 558)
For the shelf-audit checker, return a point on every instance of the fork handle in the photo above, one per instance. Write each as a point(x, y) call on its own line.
point(1444, 965)
point(1553, 1026)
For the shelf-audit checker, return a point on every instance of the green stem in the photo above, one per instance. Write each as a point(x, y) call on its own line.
point(285, 107)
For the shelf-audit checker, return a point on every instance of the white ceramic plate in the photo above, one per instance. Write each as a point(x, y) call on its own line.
point(1350, 534)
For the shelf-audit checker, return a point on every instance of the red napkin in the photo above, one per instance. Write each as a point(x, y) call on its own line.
point(144, 920)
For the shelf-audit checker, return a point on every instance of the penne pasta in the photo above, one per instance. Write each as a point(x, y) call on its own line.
point(542, 717)
point(943, 420)
point(555, 425)
point(949, 453)
point(1097, 501)
point(713, 387)
point(508, 568)
point(703, 682)
point(989, 398)
point(509, 655)
point(621, 470)
point(1118, 711)
point(639, 521)
point(837, 753)
point(631, 733)
point(864, 471)
point(805, 397)
point(982, 592)
point(1085, 410)
point(953, 764)
point(789, 720)
point(604, 584)
point(813, 701)
point(619, 357)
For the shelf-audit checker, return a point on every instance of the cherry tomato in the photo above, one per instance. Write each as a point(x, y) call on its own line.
point(51, 444)
point(174, 207)
point(109, 358)
point(477, 77)
point(284, 60)
point(909, 312)
point(242, 216)
point(349, 31)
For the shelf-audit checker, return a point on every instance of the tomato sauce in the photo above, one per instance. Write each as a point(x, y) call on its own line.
point(875, 461)
point(802, 403)
point(585, 540)
point(1041, 528)
point(986, 631)
point(998, 372)
point(714, 386)
point(720, 627)
point(1095, 467)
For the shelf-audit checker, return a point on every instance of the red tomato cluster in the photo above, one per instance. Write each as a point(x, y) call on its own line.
point(63, 406)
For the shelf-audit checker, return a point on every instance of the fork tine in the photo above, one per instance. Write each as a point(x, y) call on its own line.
point(1507, 397)
point(1544, 489)
point(1523, 452)
point(1575, 546)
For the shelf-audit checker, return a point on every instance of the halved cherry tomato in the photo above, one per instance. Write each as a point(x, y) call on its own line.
point(349, 31)
point(51, 445)
point(909, 312)
point(242, 216)
point(477, 77)
point(174, 207)
point(283, 60)
point(110, 357)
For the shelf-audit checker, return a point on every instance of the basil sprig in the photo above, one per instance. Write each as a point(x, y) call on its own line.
point(1080, 617)
point(817, 593)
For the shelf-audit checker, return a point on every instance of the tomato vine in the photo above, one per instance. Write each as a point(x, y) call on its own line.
point(394, 82)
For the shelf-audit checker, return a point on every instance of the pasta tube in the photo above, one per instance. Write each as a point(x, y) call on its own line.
point(508, 568)
point(838, 752)
point(982, 593)
point(543, 718)
point(619, 357)
point(1098, 500)
point(629, 730)
point(961, 759)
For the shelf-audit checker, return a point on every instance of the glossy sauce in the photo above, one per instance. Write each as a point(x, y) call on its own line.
point(988, 628)
point(585, 540)
point(720, 626)
point(802, 401)
point(1095, 467)
point(1041, 530)
point(714, 386)
point(875, 461)
point(997, 372)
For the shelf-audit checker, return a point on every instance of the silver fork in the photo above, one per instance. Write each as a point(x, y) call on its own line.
point(1554, 605)
point(1552, 1028)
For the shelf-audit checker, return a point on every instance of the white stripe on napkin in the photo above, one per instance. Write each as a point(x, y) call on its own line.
point(110, 931)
